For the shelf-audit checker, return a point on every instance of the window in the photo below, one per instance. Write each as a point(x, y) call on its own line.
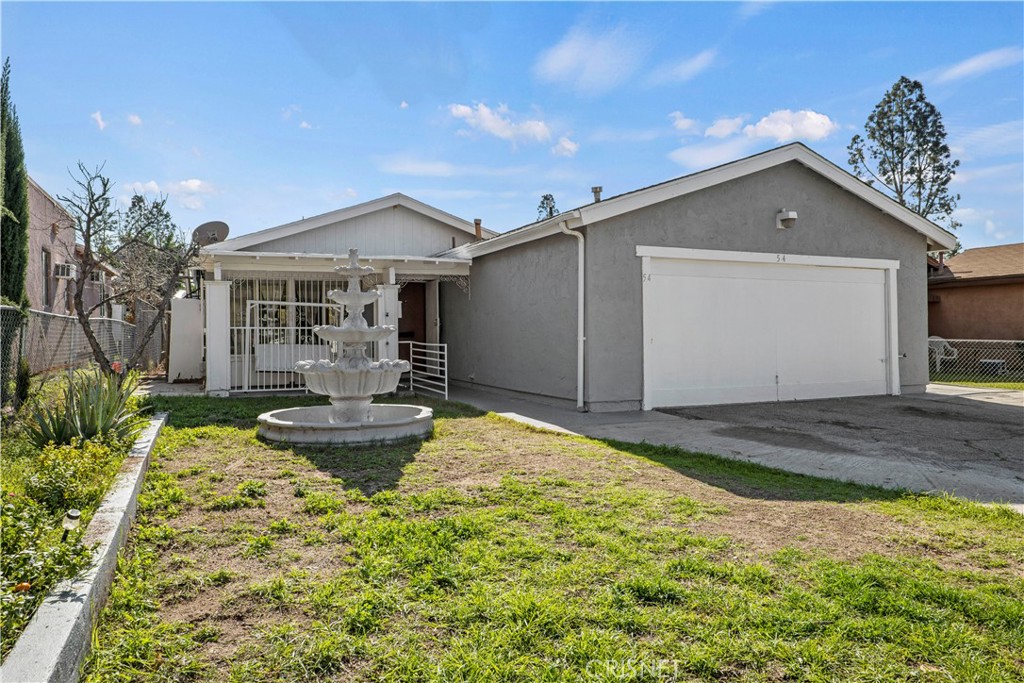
point(47, 286)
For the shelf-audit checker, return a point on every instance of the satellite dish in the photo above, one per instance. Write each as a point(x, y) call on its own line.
point(209, 233)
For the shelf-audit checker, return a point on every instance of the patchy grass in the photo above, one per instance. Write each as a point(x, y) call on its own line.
point(494, 552)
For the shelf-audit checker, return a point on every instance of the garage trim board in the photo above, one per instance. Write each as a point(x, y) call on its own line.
point(733, 327)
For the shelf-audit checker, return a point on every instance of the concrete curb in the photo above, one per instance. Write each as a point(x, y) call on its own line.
point(57, 640)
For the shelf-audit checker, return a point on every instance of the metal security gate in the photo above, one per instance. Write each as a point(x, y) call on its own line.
point(272, 321)
point(429, 372)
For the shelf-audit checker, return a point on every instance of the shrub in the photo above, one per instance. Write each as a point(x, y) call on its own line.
point(91, 404)
point(31, 553)
point(70, 477)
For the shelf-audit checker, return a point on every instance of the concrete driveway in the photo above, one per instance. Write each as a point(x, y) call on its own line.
point(957, 439)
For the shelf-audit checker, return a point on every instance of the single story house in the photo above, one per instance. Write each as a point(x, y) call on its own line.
point(775, 277)
point(978, 294)
point(263, 293)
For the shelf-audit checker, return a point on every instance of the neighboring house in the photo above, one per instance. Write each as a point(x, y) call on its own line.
point(699, 290)
point(51, 253)
point(978, 294)
point(53, 259)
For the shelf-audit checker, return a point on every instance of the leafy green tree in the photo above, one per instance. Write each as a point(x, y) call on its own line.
point(905, 152)
point(546, 208)
point(14, 216)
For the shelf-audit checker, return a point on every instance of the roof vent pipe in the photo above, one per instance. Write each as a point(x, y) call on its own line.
point(596, 189)
point(479, 229)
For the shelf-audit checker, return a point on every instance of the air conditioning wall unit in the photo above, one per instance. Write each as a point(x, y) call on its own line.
point(65, 271)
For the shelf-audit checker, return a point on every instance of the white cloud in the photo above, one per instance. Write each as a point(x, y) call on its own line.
point(135, 119)
point(749, 10)
point(982, 220)
point(683, 71)
point(707, 154)
point(608, 134)
point(189, 193)
point(305, 125)
point(342, 195)
point(996, 140)
point(98, 118)
point(724, 127)
point(498, 122)
point(682, 123)
point(148, 187)
point(403, 105)
point(981, 64)
point(403, 164)
point(1000, 171)
point(592, 63)
point(785, 125)
point(565, 148)
point(288, 111)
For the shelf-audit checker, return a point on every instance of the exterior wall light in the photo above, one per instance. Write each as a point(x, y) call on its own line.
point(785, 219)
point(71, 521)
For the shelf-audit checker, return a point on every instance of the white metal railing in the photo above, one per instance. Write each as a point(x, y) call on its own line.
point(429, 371)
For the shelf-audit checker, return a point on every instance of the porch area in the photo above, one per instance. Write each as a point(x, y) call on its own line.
point(259, 322)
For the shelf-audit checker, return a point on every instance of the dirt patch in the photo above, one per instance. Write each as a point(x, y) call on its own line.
point(467, 455)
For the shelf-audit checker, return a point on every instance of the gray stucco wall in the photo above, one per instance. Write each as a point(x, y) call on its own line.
point(740, 216)
point(517, 328)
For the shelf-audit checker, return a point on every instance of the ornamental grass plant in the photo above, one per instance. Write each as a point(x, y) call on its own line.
point(91, 404)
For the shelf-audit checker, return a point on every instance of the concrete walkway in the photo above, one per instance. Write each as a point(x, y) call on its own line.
point(961, 440)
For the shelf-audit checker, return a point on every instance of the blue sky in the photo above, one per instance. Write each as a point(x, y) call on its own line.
point(262, 113)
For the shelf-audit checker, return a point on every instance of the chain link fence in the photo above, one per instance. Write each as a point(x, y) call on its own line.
point(152, 354)
point(975, 361)
point(49, 342)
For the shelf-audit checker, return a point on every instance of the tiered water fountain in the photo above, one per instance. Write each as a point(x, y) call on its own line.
point(351, 381)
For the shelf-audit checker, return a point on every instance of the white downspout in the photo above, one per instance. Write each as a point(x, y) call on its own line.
point(580, 319)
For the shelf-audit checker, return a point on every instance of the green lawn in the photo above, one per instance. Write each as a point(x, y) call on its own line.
point(496, 552)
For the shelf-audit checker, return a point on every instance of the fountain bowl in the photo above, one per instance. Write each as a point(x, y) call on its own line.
point(312, 425)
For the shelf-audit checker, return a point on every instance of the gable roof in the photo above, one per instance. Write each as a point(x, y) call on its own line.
point(314, 222)
point(1006, 260)
point(588, 214)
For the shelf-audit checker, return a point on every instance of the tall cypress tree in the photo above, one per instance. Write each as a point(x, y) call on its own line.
point(14, 217)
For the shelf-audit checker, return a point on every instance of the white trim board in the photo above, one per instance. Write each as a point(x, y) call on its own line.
point(759, 257)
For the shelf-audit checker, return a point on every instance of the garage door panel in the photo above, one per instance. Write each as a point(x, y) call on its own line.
point(734, 332)
point(687, 338)
point(831, 339)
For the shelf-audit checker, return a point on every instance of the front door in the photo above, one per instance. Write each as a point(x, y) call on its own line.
point(412, 325)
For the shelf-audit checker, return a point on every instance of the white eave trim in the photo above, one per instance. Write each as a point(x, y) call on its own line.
point(314, 222)
point(551, 226)
point(616, 206)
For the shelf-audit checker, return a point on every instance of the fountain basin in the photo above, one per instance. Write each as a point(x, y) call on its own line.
point(331, 379)
point(311, 425)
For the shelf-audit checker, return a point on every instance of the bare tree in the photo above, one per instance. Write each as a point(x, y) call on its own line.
point(141, 243)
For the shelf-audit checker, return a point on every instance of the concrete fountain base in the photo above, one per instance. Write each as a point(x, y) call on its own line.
point(313, 425)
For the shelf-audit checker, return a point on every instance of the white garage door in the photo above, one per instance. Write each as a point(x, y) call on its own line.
point(728, 331)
